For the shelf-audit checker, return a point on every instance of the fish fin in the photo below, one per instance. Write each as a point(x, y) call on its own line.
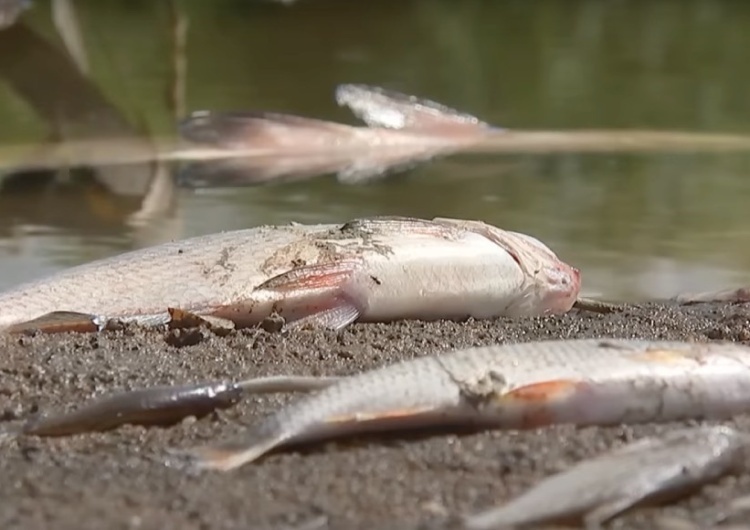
point(379, 107)
point(338, 316)
point(181, 319)
point(356, 417)
point(324, 275)
point(544, 391)
point(335, 308)
point(224, 456)
point(269, 130)
point(62, 322)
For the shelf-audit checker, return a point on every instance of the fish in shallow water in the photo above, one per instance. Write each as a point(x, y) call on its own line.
point(368, 270)
point(582, 381)
point(597, 490)
point(402, 131)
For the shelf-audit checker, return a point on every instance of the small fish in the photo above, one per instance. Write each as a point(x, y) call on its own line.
point(164, 405)
point(368, 270)
point(402, 131)
point(528, 385)
point(599, 489)
point(738, 295)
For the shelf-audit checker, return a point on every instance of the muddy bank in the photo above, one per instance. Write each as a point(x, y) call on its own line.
point(117, 479)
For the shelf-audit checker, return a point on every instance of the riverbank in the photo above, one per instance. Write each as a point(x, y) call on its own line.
point(116, 479)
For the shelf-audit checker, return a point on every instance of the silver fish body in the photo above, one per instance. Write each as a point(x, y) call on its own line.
point(597, 490)
point(584, 382)
point(375, 269)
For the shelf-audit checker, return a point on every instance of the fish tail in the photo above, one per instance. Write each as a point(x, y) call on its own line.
point(226, 456)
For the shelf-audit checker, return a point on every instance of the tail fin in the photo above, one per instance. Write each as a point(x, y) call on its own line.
point(259, 129)
point(226, 456)
point(379, 107)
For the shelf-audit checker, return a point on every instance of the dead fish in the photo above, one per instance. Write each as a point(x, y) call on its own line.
point(367, 270)
point(402, 131)
point(164, 405)
point(535, 384)
point(738, 295)
point(599, 489)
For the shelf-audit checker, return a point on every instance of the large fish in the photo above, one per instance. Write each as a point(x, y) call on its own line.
point(597, 490)
point(402, 131)
point(369, 270)
point(583, 382)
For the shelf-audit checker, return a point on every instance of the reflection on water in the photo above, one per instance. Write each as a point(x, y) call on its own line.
point(637, 225)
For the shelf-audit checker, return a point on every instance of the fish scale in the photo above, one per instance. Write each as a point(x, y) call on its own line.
point(581, 381)
point(367, 270)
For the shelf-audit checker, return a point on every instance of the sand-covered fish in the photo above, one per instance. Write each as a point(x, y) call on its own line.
point(368, 270)
point(599, 489)
point(582, 381)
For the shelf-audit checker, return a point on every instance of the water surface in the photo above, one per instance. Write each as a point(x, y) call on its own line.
point(637, 225)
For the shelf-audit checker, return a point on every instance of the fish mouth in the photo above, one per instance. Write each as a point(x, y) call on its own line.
point(564, 292)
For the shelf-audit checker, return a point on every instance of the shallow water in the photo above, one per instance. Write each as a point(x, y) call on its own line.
point(638, 226)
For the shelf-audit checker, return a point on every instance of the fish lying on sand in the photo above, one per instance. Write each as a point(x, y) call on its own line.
point(367, 270)
point(402, 131)
point(738, 295)
point(599, 489)
point(535, 384)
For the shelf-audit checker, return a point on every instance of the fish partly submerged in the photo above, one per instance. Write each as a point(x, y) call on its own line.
point(597, 490)
point(402, 131)
point(582, 381)
point(368, 270)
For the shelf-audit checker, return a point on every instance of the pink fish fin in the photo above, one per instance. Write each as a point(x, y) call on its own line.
point(228, 455)
point(181, 319)
point(261, 130)
point(536, 399)
point(309, 277)
point(62, 322)
point(338, 316)
point(380, 415)
point(379, 107)
point(326, 299)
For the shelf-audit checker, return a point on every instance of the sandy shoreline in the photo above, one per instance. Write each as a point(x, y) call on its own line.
point(116, 479)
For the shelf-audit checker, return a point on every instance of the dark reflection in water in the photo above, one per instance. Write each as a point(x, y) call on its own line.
point(636, 225)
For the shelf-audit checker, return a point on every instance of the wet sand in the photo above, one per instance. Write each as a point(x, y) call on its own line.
point(117, 480)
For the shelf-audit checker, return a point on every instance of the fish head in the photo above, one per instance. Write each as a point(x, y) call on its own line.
point(553, 285)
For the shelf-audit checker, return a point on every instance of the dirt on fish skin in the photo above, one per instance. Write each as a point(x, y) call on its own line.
point(118, 480)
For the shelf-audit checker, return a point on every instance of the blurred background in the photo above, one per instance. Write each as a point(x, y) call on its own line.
point(637, 225)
